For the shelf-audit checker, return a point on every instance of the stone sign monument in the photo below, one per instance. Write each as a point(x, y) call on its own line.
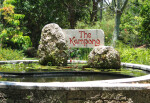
point(54, 42)
point(84, 38)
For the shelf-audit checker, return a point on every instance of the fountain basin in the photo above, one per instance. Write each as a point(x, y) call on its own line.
point(126, 90)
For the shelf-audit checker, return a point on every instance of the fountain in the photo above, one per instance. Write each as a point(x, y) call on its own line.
point(45, 86)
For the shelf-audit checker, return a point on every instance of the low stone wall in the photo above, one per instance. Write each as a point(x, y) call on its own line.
point(80, 96)
point(74, 92)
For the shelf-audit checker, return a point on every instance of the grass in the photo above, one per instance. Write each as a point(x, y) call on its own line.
point(10, 54)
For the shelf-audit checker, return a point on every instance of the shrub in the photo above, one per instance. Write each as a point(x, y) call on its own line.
point(133, 55)
point(135, 28)
point(11, 32)
point(145, 27)
point(9, 54)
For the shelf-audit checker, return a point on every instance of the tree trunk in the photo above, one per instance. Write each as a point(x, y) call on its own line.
point(94, 11)
point(137, 2)
point(117, 23)
point(72, 16)
point(72, 20)
point(35, 34)
point(1, 43)
point(101, 10)
point(116, 29)
point(36, 38)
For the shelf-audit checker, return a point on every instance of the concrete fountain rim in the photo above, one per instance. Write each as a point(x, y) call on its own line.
point(114, 84)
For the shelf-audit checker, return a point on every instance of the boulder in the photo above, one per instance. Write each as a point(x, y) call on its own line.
point(52, 47)
point(105, 57)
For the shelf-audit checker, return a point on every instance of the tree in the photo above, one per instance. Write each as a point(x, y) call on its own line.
point(101, 10)
point(10, 30)
point(135, 23)
point(93, 14)
point(41, 12)
point(145, 24)
point(76, 10)
point(118, 7)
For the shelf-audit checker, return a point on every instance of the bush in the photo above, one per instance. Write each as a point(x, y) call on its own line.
point(9, 54)
point(79, 53)
point(145, 24)
point(11, 31)
point(18, 42)
point(133, 55)
point(135, 28)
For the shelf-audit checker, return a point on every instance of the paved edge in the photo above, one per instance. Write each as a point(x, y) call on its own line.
point(116, 84)
point(73, 86)
point(18, 61)
point(136, 66)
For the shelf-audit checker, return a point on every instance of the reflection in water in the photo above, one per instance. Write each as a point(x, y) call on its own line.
point(61, 78)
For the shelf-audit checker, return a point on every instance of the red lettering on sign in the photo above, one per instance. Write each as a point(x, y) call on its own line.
point(97, 43)
point(86, 35)
point(71, 41)
point(85, 39)
point(89, 35)
point(85, 42)
point(81, 33)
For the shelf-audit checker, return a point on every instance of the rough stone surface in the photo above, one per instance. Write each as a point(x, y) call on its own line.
point(52, 46)
point(105, 57)
point(97, 96)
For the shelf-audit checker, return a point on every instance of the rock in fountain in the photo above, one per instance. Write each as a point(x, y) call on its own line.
point(104, 57)
point(52, 48)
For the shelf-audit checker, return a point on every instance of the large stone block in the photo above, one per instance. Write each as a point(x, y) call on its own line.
point(84, 38)
point(104, 57)
point(52, 48)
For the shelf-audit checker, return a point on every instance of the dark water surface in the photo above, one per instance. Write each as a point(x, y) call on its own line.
point(61, 77)
point(70, 73)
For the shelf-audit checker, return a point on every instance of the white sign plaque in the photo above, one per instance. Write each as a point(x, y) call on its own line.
point(84, 38)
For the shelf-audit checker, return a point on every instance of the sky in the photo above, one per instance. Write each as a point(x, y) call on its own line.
point(109, 0)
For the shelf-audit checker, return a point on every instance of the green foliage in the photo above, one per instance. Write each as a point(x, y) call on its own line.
point(10, 26)
point(145, 23)
point(130, 25)
point(133, 55)
point(9, 54)
point(135, 22)
point(79, 53)
point(41, 12)
point(23, 41)
point(49, 63)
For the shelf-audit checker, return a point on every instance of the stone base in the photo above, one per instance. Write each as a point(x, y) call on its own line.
point(83, 96)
